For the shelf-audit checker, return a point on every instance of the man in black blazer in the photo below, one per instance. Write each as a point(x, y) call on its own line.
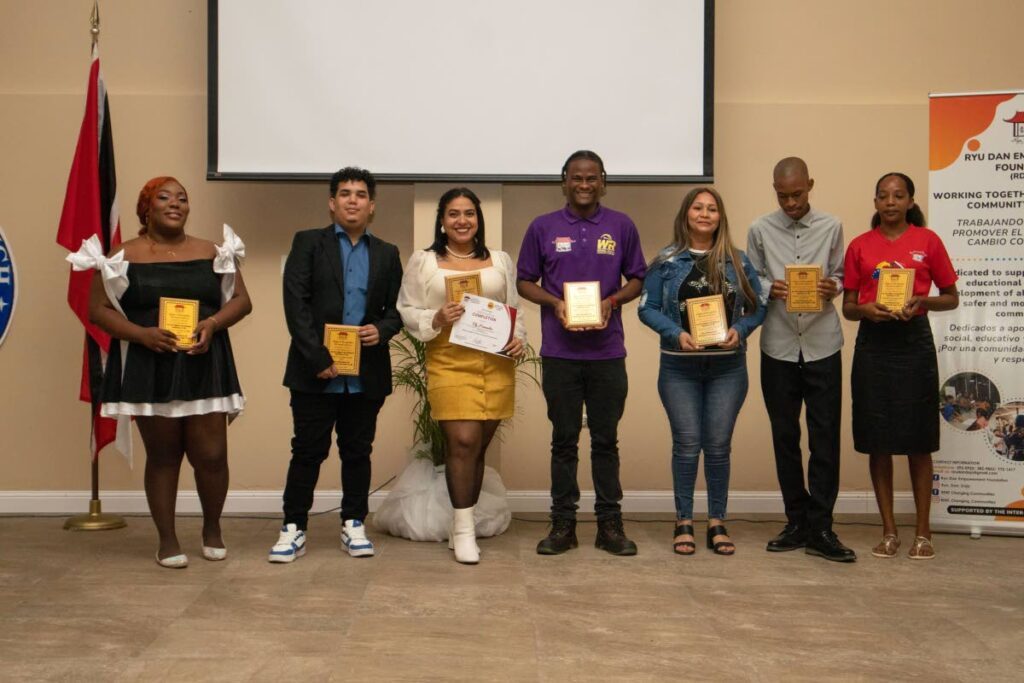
point(340, 274)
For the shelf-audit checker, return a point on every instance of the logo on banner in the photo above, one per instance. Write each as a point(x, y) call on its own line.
point(606, 245)
point(1017, 121)
point(563, 244)
point(8, 293)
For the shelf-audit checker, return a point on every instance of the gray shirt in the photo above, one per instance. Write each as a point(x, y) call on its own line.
point(775, 241)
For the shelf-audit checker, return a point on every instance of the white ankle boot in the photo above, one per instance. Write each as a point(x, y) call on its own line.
point(463, 537)
point(451, 536)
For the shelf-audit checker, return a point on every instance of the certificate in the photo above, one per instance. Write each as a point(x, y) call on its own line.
point(180, 316)
point(708, 324)
point(463, 283)
point(342, 341)
point(894, 287)
point(486, 325)
point(582, 304)
point(802, 282)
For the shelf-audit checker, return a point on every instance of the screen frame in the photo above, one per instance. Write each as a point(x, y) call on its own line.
point(212, 111)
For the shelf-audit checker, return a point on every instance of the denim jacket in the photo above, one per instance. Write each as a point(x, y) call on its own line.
point(659, 302)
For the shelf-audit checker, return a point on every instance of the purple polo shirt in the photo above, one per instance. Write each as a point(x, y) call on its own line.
point(561, 247)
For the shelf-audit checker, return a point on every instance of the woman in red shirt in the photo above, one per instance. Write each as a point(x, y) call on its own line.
point(895, 374)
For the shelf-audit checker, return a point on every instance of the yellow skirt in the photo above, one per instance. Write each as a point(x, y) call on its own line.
point(465, 384)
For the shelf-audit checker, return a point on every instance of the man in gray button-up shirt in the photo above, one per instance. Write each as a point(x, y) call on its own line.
point(801, 360)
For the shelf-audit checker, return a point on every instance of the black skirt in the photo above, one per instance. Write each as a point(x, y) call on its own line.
point(143, 382)
point(895, 386)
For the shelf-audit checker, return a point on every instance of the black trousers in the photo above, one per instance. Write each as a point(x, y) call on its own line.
point(601, 386)
point(354, 418)
point(818, 385)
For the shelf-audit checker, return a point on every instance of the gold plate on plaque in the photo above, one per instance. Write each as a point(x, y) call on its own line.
point(180, 316)
point(582, 304)
point(342, 341)
point(895, 286)
point(708, 324)
point(802, 282)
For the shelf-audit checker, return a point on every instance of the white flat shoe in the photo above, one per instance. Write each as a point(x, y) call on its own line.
point(214, 554)
point(179, 561)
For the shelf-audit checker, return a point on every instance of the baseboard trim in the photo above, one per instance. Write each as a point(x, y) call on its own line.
point(269, 502)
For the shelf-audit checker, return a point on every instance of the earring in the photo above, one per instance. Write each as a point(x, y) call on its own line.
point(442, 229)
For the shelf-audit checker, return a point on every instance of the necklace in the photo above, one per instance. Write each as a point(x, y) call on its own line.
point(169, 252)
point(700, 261)
point(455, 254)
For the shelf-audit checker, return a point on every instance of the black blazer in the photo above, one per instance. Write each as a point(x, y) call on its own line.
point(314, 294)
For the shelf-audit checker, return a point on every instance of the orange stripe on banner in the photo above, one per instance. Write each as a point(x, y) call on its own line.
point(955, 120)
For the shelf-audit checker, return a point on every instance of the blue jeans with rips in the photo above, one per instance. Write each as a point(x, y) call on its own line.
point(702, 396)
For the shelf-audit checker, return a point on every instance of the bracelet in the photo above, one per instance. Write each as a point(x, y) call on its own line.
point(615, 302)
point(216, 323)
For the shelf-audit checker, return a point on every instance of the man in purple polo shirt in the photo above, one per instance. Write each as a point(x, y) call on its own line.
point(583, 242)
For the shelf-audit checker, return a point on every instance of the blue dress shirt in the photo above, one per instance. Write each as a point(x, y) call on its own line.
point(355, 270)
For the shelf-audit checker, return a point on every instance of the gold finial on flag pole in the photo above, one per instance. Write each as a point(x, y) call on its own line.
point(94, 19)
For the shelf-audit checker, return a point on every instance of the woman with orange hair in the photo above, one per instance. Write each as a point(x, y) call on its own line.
point(178, 390)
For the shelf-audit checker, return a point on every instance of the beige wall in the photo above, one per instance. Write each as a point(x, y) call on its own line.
point(843, 84)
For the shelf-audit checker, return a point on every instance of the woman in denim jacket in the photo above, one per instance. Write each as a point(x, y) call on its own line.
point(702, 388)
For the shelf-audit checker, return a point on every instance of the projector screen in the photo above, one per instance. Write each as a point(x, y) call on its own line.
point(472, 90)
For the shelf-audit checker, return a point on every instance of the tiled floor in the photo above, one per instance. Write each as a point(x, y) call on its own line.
point(82, 606)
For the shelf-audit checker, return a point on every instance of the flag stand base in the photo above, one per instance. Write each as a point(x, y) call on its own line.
point(96, 520)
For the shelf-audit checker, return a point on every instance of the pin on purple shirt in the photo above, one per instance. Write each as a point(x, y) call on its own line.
point(561, 247)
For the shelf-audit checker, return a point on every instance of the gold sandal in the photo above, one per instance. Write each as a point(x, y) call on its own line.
point(922, 549)
point(889, 546)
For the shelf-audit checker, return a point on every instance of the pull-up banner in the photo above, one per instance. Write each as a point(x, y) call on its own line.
point(976, 204)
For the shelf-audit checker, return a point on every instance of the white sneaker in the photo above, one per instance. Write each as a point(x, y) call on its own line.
point(354, 540)
point(290, 545)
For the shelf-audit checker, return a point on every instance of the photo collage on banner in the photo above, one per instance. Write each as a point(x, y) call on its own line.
point(976, 205)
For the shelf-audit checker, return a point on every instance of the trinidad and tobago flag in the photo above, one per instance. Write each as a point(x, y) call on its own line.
point(90, 208)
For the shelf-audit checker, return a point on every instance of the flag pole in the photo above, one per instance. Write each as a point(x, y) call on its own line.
point(96, 519)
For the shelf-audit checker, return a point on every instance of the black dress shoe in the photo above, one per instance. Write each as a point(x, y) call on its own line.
point(826, 544)
point(612, 538)
point(792, 537)
point(562, 537)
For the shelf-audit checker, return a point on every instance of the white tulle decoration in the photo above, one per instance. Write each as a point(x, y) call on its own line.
point(418, 507)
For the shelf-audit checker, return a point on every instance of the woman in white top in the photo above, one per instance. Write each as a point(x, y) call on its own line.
point(469, 391)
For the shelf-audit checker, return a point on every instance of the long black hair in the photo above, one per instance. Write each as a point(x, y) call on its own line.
point(915, 216)
point(480, 249)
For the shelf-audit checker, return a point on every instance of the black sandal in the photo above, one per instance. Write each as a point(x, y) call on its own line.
point(722, 547)
point(684, 547)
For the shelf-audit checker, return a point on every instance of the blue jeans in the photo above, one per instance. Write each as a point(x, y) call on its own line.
point(702, 396)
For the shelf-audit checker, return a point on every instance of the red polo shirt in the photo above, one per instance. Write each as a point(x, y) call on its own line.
point(917, 248)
